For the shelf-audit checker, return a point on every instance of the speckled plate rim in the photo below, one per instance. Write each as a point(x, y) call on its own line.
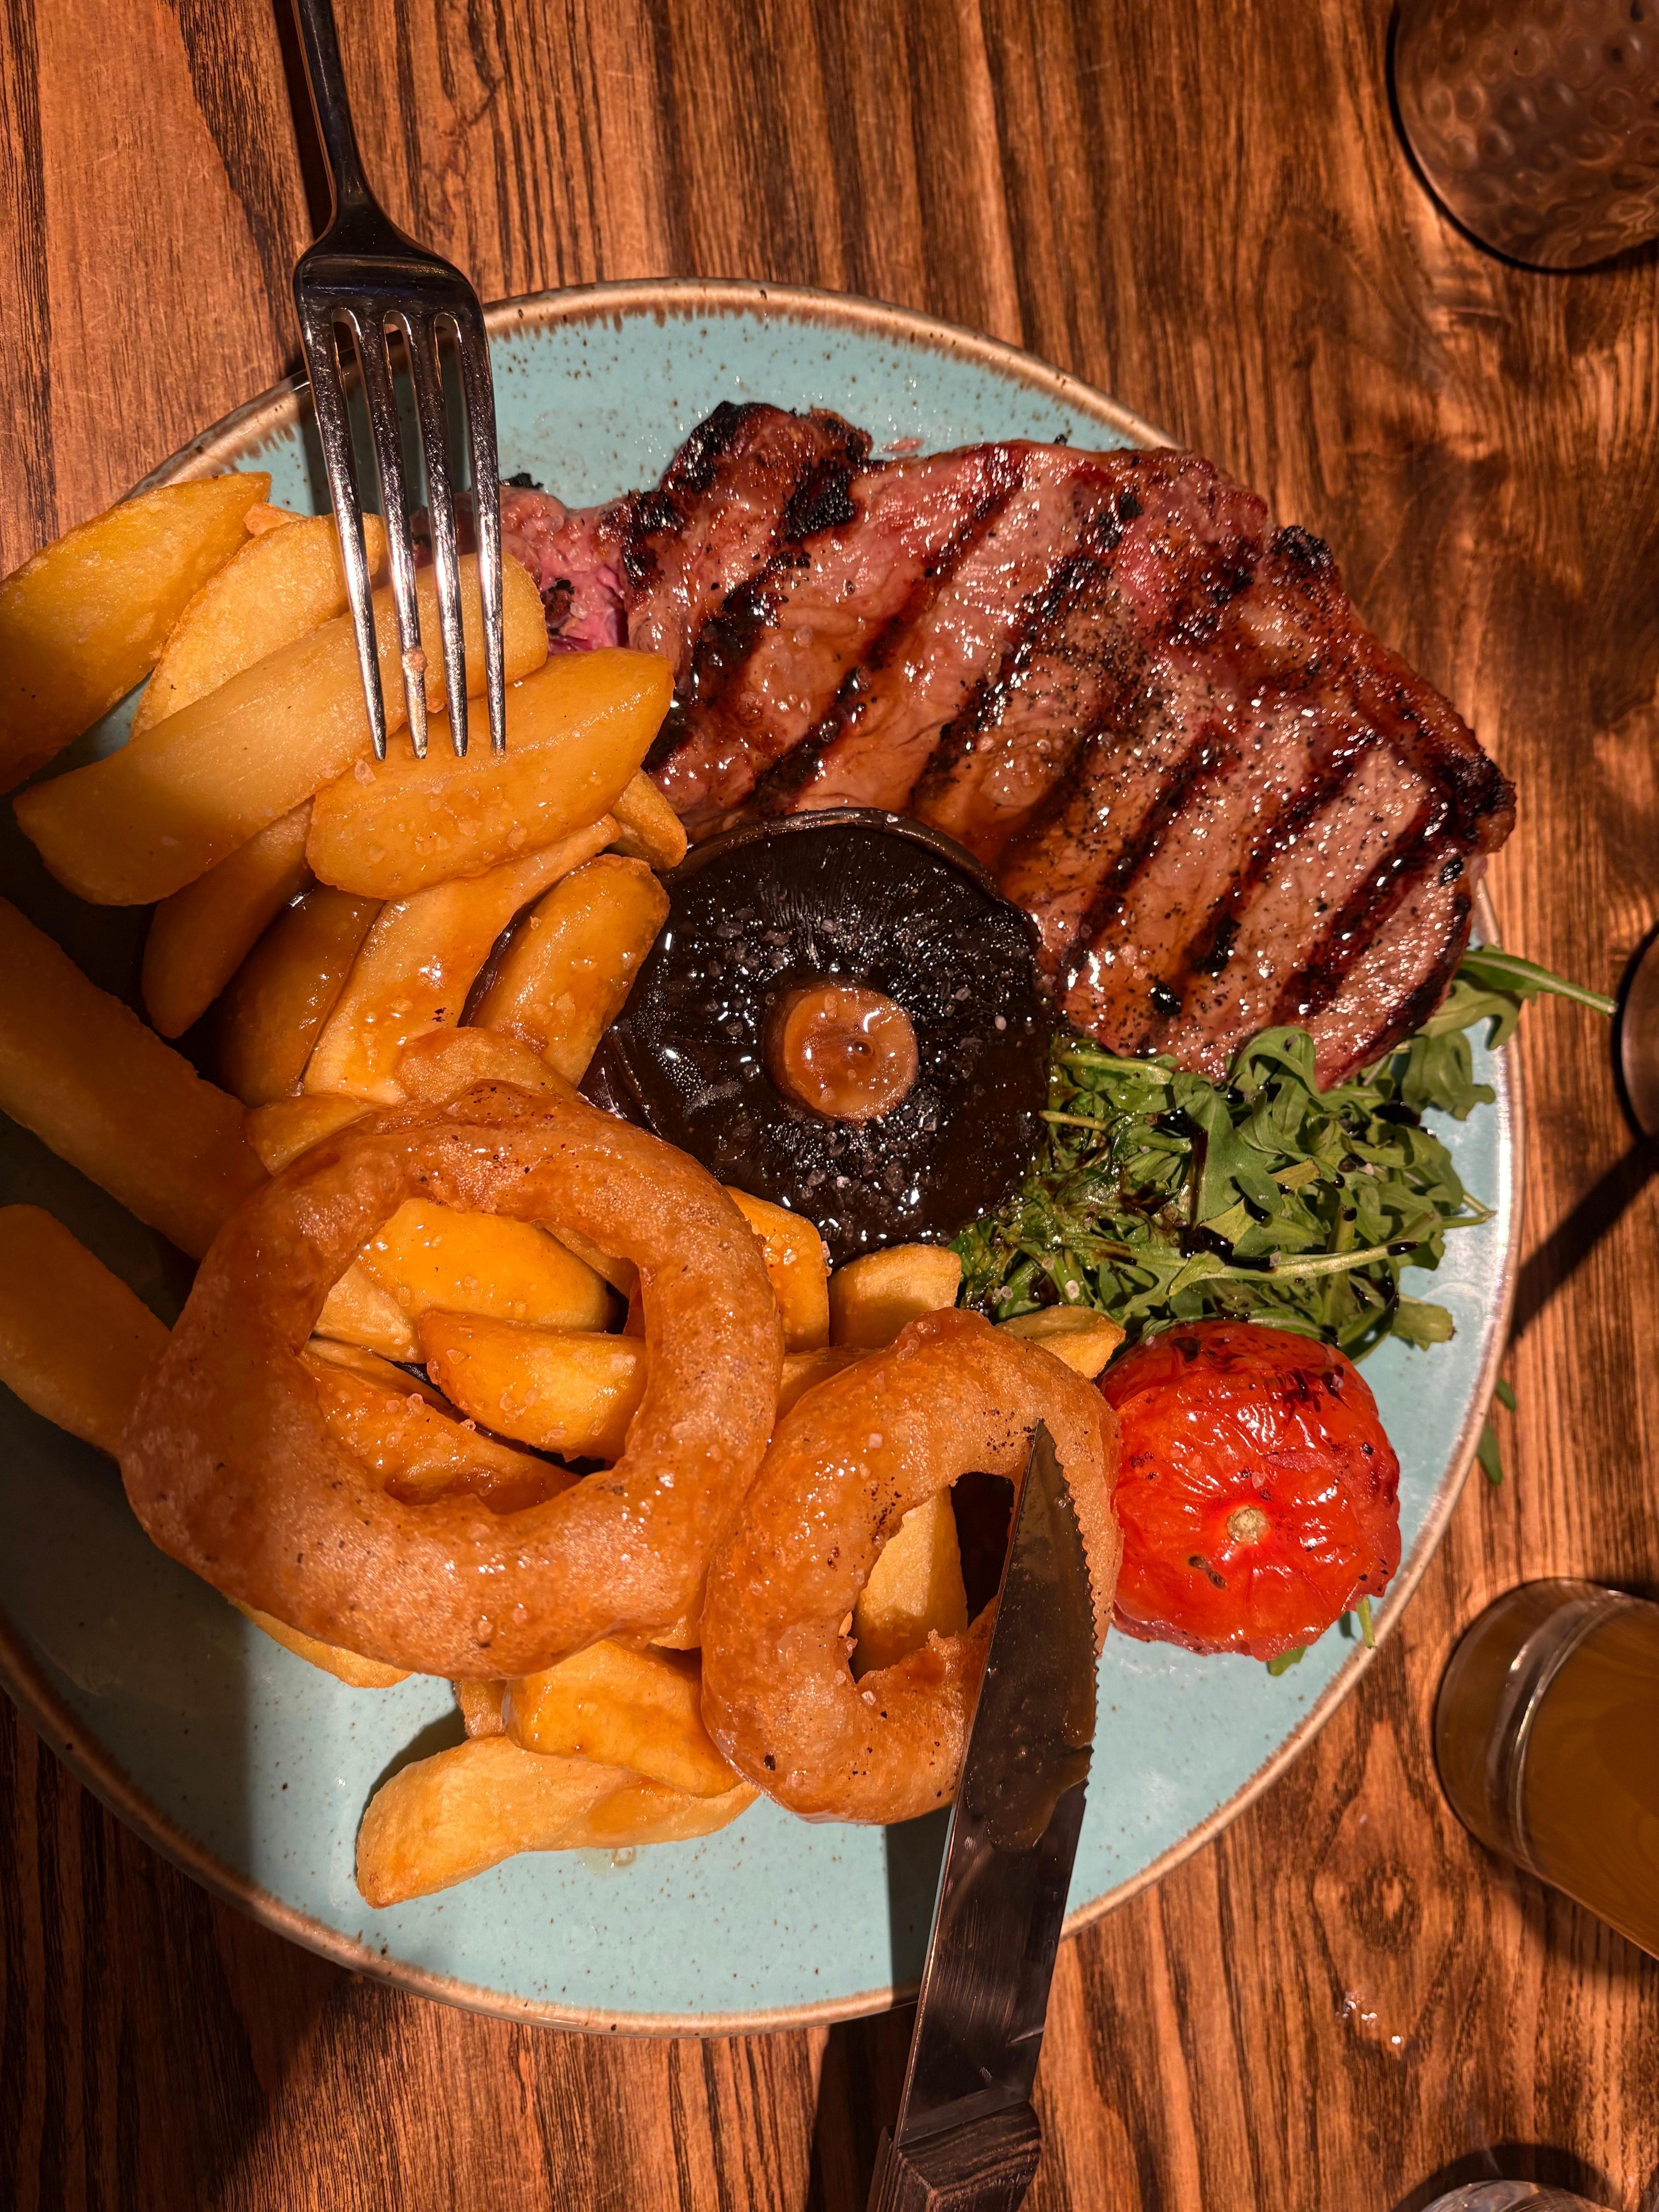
point(272, 415)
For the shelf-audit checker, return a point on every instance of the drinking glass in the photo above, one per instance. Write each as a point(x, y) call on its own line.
point(1536, 121)
point(1547, 1736)
point(1511, 2196)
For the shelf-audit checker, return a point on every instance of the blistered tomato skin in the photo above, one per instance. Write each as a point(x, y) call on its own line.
point(1258, 1493)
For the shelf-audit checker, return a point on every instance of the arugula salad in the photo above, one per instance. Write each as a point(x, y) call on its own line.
point(1162, 1196)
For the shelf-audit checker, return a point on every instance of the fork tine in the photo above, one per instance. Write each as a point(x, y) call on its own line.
point(480, 397)
point(425, 368)
point(317, 332)
point(376, 364)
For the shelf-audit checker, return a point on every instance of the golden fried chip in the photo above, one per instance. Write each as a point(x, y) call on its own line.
point(418, 963)
point(402, 1432)
point(647, 828)
point(75, 1342)
point(797, 1266)
point(82, 621)
point(430, 1255)
point(567, 971)
point(872, 1298)
point(1085, 1340)
point(443, 1819)
point(641, 1710)
point(914, 1590)
point(166, 807)
point(200, 937)
point(358, 1311)
point(278, 586)
point(81, 1071)
point(564, 1390)
point(347, 1666)
point(286, 1127)
point(576, 730)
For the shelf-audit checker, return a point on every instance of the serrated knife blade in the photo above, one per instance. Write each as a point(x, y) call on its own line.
point(966, 2135)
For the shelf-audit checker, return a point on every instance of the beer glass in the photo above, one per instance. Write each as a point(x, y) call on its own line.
point(1547, 1736)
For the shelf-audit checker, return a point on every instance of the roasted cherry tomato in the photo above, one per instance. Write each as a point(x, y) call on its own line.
point(1258, 1493)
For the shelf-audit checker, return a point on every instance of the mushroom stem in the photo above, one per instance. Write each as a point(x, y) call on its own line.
point(841, 1051)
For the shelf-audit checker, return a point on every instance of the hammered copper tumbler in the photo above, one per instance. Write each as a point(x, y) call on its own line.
point(1536, 121)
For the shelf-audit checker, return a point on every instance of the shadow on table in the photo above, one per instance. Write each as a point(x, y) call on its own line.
point(858, 2086)
point(1512, 2161)
point(1572, 1242)
point(863, 2069)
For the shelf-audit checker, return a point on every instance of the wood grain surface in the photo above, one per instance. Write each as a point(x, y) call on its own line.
point(1205, 211)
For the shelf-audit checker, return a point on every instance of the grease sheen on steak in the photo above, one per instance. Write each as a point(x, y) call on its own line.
point(1156, 718)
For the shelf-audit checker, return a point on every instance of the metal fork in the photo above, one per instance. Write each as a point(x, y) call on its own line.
point(362, 276)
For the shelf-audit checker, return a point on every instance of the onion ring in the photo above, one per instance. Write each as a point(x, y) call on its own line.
point(232, 1467)
point(952, 1394)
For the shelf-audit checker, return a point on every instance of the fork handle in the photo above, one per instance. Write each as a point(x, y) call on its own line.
point(333, 110)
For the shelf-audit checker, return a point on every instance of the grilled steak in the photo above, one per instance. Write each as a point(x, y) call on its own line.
point(1155, 719)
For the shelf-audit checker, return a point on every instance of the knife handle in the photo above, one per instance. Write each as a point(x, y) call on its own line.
point(986, 2165)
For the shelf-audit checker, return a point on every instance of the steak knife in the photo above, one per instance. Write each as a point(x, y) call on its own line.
point(966, 2138)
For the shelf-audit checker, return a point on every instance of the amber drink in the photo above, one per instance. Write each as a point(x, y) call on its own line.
point(1547, 1733)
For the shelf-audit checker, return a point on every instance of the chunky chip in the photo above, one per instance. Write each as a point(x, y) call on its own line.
point(566, 975)
point(406, 1435)
point(444, 1819)
point(347, 1666)
point(76, 1343)
point(86, 618)
point(647, 828)
point(871, 1299)
point(83, 1072)
point(280, 586)
point(358, 1311)
point(576, 732)
point(1085, 1340)
point(914, 1590)
point(430, 1256)
point(199, 937)
point(797, 1267)
point(419, 961)
point(565, 1390)
point(280, 999)
point(170, 803)
point(641, 1710)
point(281, 1131)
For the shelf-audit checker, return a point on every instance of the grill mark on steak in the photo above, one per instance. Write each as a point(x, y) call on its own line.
point(1362, 916)
point(716, 516)
point(769, 668)
point(778, 790)
point(1211, 949)
point(820, 500)
point(823, 502)
point(691, 471)
point(689, 475)
point(1009, 757)
point(1040, 621)
point(1208, 757)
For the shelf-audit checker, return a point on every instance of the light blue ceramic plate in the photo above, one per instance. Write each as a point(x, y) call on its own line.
point(251, 1769)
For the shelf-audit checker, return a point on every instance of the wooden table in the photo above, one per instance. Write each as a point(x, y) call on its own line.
point(1205, 211)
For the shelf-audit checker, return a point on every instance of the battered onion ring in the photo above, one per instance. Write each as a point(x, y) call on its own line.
point(846, 1465)
point(232, 1467)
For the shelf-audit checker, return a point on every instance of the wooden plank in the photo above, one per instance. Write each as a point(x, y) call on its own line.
point(1205, 211)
